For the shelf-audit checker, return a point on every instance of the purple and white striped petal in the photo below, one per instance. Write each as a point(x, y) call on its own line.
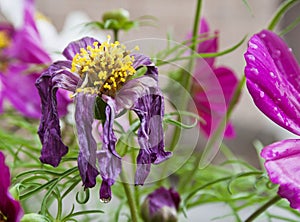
point(49, 130)
point(74, 47)
point(150, 110)
point(84, 118)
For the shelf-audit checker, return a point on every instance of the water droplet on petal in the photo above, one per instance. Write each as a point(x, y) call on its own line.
point(276, 54)
point(253, 45)
point(251, 57)
point(290, 50)
point(272, 74)
point(275, 109)
point(103, 200)
point(254, 70)
point(262, 35)
point(262, 94)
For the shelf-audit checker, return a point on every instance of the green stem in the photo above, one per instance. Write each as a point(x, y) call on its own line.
point(281, 10)
point(116, 34)
point(130, 198)
point(263, 208)
point(186, 81)
point(218, 131)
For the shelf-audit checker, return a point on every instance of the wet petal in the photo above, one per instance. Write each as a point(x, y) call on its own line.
point(49, 130)
point(8, 206)
point(273, 79)
point(84, 118)
point(283, 164)
point(150, 110)
point(110, 167)
point(74, 47)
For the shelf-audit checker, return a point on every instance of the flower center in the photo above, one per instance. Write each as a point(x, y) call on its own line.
point(4, 39)
point(104, 68)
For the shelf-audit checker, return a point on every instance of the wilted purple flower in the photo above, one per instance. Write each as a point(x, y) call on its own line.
point(211, 81)
point(19, 50)
point(10, 209)
point(273, 80)
point(161, 205)
point(101, 76)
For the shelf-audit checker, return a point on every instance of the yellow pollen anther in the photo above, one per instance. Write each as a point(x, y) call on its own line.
point(4, 39)
point(104, 67)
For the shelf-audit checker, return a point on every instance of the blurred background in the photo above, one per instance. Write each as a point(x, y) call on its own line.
point(232, 18)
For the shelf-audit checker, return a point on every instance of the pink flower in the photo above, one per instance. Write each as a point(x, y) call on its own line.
point(272, 73)
point(214, 86)
point(10, 209)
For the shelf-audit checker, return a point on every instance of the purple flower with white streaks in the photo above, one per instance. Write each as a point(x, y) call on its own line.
point(161, 205)
point(20, 48)
point(273, 80)
point(210, 82)
point(102, 78)
point(10, 209)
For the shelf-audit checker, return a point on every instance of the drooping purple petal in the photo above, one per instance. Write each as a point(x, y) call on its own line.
point(283, 164)
point(49, 130)
point(84, 118)
point(74, 47)
point(9, 207)
point(109, 160)
point(110, 167)
point(150, 110)
point(273, 79)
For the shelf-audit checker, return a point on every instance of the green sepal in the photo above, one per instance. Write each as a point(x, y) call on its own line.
point(99, 110)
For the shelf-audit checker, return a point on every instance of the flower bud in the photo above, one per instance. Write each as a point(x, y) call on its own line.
point(161, 205)
point(121, 15)
point(34, 218)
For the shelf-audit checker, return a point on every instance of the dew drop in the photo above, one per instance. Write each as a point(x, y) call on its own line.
point(253, 45)
point(276, 54)
point(272, 74)
point(262, 94)
point(262, 35)
point(290, 50)
point(103, 200)
point(275, 109)
point(251, 57)
point(254, 70)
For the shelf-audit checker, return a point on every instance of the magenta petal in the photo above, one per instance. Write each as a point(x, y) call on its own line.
point(283, 164)
point(210, 105)
point(272, 74)
point(210, 45)
point(27, 45)
point(74, 47)
point(8, 206)
point(84, 118)
point(25, 97)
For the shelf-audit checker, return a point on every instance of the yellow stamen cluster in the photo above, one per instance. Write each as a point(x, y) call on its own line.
point(4, 39)
point(104, 68)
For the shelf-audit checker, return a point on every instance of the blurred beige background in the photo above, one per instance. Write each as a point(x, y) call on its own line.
point(233, 20)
